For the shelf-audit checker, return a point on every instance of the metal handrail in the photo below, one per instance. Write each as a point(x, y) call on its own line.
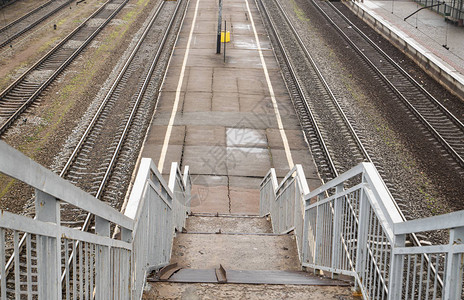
point(358, 232)
point(146, 233)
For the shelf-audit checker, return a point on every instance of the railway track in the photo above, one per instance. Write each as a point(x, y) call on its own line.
point(96, 153)
point(446, 128)
point(324, 116)
point(16, 98)
point(4, 3)
point(136, 85)
point(316, 129)
point(18, 27)
point(321, 116)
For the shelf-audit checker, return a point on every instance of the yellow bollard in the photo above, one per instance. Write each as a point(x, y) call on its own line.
point(227, 36)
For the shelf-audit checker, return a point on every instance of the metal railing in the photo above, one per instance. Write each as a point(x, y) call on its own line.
point(449, 8)
point(180, 185)
point(284, 202)
point(417, 266)
point(104, 267)
point(352, 227)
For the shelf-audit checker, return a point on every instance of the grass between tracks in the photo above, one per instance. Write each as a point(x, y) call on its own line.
point(299, 12)
point(74, 86)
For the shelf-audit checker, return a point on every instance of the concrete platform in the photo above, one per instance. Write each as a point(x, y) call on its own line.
point(229, 121)
point(422, 37)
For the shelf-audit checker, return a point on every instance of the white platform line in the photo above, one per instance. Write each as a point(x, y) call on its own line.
point(176, 101)
point(271, 91)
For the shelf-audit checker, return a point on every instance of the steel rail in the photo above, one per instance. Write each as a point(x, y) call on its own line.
point(353, 134)
point(415, 240)
point(33, 11)
point(128, 124)
point(98, 113)
point(345, 119)
point(402, 97)
point(31, 25)
point(53, 50)
point(52, 77)
point(400, 69)
point(23, 238)
point(333, 98)
point(7, 3)
point(326, 85)
point(299, 90)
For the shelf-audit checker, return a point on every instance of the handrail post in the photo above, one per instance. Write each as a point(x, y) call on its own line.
point(48, 249)
point(317, 233)
point(188, 188)
point(336, 230)
point(453, 276)
point(305, 240)
point(395, 283)
point(361, 248)
point(103, 287)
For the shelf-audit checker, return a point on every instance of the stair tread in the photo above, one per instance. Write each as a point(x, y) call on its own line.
point(204, 251)
point(228, 224)
point(252, 277)
point(173, 290)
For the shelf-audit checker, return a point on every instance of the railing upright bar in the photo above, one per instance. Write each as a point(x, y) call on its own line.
point(16, 261)
point(48, 248)
point(454, 272)
point(304, 241)
point(2, 264)
point(361, 249)
point(188, 185)
point(66, 267)
point(86, 271)
point(336, 230)
point(102, 260)
point(74, 264)
point(317, 233)
point(81, 271)
point(395, 277)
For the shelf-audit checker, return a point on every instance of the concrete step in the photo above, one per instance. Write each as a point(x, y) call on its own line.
point(197, 291)
point(244, 246)
point(229, 276)
point(235, 251)
point(228, 224)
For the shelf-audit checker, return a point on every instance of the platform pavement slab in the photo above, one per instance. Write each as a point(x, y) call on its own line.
point(225, 126)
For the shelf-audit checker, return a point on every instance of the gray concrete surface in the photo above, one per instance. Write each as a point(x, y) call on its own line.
point(238, 252)
point(227, 224)
point(245, 291)
point(225, 127)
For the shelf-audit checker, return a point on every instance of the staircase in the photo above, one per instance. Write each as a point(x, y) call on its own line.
point(350, 226)
point(238, 257)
